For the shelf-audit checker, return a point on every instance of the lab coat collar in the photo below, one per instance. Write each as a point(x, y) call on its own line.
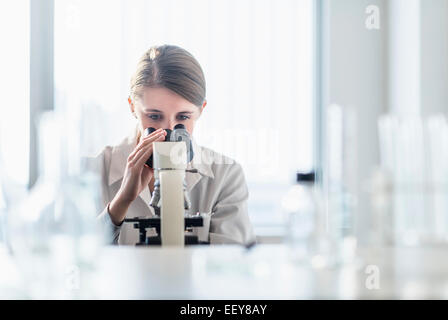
point(120, 153)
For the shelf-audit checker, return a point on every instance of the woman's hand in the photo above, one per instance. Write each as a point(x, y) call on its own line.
point(137, 176)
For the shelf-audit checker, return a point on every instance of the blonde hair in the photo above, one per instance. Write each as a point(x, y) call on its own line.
point(173, 68)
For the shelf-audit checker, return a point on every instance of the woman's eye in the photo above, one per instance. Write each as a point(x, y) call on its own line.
point(154, 117)
point(181, 117)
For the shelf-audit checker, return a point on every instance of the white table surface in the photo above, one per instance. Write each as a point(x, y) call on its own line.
point(267, 272)
point(264, 272)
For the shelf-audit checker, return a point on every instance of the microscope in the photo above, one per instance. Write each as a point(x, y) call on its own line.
point(170, 198)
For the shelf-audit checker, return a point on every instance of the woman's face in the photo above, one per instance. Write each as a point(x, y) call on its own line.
point(162, 108)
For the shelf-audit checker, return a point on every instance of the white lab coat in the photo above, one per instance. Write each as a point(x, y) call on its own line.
point(218, 190)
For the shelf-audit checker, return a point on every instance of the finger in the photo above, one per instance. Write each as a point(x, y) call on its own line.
point(160, 136)
point(154, 133)
point(141, 154)
point(146, 145)
point(148, 137)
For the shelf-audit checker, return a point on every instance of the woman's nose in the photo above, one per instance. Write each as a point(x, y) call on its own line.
point(171, 125)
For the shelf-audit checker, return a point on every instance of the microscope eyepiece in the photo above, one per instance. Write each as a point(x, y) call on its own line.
point(179, 126)
point(178, 134)
point(148, 131)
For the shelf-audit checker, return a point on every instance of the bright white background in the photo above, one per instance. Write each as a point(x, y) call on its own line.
point(257, 57)
point(14, 89)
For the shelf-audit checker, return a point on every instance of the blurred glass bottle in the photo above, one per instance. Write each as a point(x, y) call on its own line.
point(340, 182)
point(381, 233)
point(10, 281)
point(11, 191)
point(303, 207)
point(2, 207)
point(2, 216)
point(53, 232)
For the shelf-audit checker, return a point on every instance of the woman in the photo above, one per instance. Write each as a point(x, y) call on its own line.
point(168, 88)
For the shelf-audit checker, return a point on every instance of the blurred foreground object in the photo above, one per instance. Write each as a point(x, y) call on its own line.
point(54, 235)
point(413, 197)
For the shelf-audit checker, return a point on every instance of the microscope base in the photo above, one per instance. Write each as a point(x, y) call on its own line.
point(156, 241)
point(142, 223)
